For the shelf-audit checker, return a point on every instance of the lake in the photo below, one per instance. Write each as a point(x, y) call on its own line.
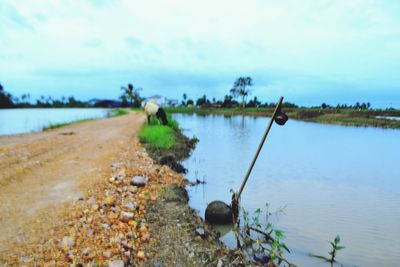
point(325, 179)
point(17, 121)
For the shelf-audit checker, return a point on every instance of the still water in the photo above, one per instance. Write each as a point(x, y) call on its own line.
point(326, 179)
point(16, 121)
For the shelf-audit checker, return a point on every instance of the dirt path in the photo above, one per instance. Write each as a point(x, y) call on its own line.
point(40, 171)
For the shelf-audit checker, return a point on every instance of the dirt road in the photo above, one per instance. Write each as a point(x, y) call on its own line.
point(41, 171)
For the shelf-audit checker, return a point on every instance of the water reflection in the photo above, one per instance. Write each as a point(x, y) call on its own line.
point(332, 180)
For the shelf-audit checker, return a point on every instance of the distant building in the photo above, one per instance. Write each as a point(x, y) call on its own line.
point(162, 101)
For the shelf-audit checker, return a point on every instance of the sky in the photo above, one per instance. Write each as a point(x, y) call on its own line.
point(309, 51)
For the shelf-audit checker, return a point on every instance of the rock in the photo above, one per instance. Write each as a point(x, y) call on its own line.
point(126, 216)
point(91, 201)
point(200, 232)
point(116, 263)
point(130, 206)
point(86, 251)
point(220, 263)
point(140, 255)
point(107, 254)
point(218, 212)
point(67, 242)
point(138, 181)
point(132, 189)
point(109, 200)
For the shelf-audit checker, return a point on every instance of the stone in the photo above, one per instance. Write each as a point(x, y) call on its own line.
point(130, 206)
point(91, 201)
point(107, 254)
point(116, 263)
point(218, 212)
point(67, 242)
point(138, 181)
point(126, 216)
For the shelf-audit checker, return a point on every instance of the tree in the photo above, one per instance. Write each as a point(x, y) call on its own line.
point(5, 98)
point(240, 89)
point(132, 94)
point(202, 101)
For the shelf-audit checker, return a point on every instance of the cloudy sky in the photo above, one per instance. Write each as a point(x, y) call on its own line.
point(310, 51)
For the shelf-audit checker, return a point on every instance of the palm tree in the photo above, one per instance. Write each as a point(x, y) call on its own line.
point(131, 93)
point(239, 88)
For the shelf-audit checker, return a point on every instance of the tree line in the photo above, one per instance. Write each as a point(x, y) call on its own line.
point(238, 96)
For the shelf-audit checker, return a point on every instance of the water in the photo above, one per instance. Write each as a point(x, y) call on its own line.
point(16, 121)
point(328, 179)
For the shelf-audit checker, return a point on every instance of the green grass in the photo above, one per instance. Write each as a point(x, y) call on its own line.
point(119, 112)
point(60, 125)
point(158, 136)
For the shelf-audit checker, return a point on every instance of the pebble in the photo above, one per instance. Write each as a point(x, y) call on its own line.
point(107, 254)
point(91, 201)
point(130, 206)
point(126, 216)
point(67, 242)
point(116, 263)
point(138, 181)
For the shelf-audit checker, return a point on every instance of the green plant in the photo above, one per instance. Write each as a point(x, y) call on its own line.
point(335, 248)
point(263, 243)
point(119, 112)
point(158, 136)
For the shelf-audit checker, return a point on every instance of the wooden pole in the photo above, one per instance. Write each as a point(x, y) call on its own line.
point(277, 108)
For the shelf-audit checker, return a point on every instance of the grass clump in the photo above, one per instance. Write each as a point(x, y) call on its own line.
point(53, 126)
point(158, 136)
point(119, 112)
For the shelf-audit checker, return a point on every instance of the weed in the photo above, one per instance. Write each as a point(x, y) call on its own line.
point(335, 248)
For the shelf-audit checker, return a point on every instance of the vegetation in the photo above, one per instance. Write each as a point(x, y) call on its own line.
point(335, 248)
point(60, 125)
point(240, 88)
point(5, 98)
point(262, 241)
point(131, 94)
point(158, 136)
point(120, 112)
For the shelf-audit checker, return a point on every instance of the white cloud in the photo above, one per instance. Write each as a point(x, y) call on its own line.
point(302, 47)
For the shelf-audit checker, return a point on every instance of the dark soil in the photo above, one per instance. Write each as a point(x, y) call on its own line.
point(173, 156)
point(183, 239)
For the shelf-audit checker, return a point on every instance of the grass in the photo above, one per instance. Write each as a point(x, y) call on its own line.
point(53, 126)
point(158, 136)
point(119, 112)
point(114, 113)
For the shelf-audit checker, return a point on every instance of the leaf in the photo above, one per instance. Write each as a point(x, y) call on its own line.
point(279, 234)
point(283, 245)
point(339, 247)
point(337, 239)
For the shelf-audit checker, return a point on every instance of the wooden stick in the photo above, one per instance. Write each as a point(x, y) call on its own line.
point(277, 108)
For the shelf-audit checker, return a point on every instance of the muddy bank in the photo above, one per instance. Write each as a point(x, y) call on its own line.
point(183, 239)
point(173, 156)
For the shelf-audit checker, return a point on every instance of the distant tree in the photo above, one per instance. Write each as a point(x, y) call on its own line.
point(132, 94)
point(240, 88)
point(124, 100)
point(228, 101)
point(202, 101)
point(5, 98)
point(184, 96)
point(253, 103)
point(190, 102)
